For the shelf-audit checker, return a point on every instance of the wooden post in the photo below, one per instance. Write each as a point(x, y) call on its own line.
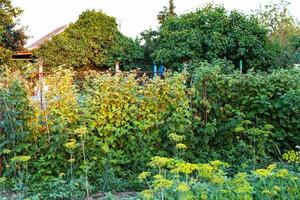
point(117, 66)
point(41, 85)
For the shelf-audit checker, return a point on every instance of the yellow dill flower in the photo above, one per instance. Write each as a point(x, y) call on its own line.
point(262, 172)
point(161, 183)
point(205, 170)
point(247, 122)
point(81, 131)
point(217, 164)
point(217, 179)
point(183, 187)
point(239, 129)
point(158, 161)
point(72, 160)
point(147, 194)
point(176, 138)
point(268, 127)
point(245, 188)
point(143, 176)
point(240, 178)
point(20, 158)
point(282, 173)
point(181, 146)
point(271, 167)
point(61, 174)
point(71, 144)
point(185, 168)
point(292, 156)
point(6, 151)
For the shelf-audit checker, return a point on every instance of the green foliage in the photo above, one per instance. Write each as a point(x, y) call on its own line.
point(149, 45)
point(92, 41)
point(102, 133)
point(16, 115)
point(177, 179)
point(11, 37)
point(283, 30)
point(58, 188)
point(167, 12)
point(214, 33)
point(257, 113)
point(277, 18)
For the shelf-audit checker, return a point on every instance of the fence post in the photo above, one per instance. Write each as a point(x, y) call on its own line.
point(241, 66)
point(117, 66)
point(41, 85)
point(155, 70)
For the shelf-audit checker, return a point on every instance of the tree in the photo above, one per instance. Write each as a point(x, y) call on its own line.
point(277, 18)
point(149, 43)
point(92, 41)
point(214, 33)
point(171, 8)
point(167, 12)
point(283, 29)
point(11, 37)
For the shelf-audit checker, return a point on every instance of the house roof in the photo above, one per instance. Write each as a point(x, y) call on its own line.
point(47, 37)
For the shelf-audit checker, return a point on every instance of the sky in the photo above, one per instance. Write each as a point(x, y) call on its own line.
point(134, 16)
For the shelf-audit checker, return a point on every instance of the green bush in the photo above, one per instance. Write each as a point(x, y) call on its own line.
point(212, 33)
point(104, 132)
point(93, 41)
point(102, 129)
point(245, 115)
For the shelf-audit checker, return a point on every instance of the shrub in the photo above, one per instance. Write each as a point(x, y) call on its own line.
point(103, 128)
point(239, 115)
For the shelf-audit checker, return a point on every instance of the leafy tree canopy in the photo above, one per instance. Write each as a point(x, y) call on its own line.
point(92, 41)
point(167, 12)
point(12, 38)
point(214, 33)
point(284, 30)
point(148, 42)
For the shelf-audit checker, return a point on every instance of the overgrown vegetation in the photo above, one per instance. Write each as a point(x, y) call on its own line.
point(12, 37)
point(204, 130)
point(252, 111)
point(98, 132)
point(93, 41)
point(211, 33)
point(177, 179)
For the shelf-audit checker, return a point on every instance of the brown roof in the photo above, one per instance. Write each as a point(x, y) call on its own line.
point(47, 37)
point(22, 55)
